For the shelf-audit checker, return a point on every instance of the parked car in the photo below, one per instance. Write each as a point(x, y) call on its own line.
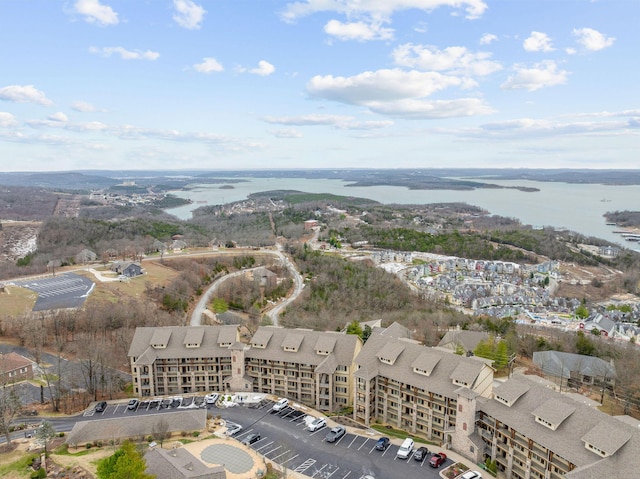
point(421, 453)
point(471, 475)
point(233, 428)
point(317, 423)
point(133, 404)
point(335, 434)
point(383, 443)
point(405, 448)
point(438, 459)
point(280, 405)
point(211, 398)
point(250, 439)
point(101, 406)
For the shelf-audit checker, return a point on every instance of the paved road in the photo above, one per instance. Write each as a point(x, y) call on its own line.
point(274, 313)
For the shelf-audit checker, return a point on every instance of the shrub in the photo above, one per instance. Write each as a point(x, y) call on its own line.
point(88, 446)
point(39, 474)
point(61, 434)
point(195, 433)
point(183, 433)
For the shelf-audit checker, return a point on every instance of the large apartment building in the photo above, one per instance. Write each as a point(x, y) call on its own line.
point(312, 367)
point(412, 387)
point(529, 429)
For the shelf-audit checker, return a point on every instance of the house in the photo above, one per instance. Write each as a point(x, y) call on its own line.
point(462, 340)
point(86, 256)
point(178, 245)
point(127, 268)
point(178, 463)
point(14, 368)
point(310, 224)
point(600, 323)
point(575, 368)
point(265, 277)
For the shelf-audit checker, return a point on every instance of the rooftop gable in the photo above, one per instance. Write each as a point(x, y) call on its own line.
point(607, 437)
point(426, 362)
point(509, 392)
point(160, 338)
point(193, 337)
point(553, 412)
point(390, 352)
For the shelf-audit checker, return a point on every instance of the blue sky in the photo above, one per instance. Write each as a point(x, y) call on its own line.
point(229, 84)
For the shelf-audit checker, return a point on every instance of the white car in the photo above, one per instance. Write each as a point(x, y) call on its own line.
point(317, 423)
point(471, 475)
point(211, 398)
point(280, 405)
point(233, 428)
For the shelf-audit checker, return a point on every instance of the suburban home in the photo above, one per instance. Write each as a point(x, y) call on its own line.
point(127, 268)
point(14, 368)
point(310, 224)
point(459, 340)
point(86, 256)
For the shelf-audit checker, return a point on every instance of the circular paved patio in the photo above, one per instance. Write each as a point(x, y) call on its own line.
point(232, 458)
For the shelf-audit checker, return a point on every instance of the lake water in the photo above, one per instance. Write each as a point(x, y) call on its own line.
point(577, 207)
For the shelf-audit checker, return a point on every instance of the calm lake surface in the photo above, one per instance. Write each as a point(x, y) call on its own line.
point(577, 207)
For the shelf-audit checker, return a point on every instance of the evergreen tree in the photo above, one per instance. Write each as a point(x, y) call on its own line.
point(126, 463)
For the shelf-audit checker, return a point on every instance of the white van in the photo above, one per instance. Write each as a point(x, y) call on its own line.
point(405, 449)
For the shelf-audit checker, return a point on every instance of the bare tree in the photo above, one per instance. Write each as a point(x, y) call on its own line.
point(10, 405)
point(160, 431)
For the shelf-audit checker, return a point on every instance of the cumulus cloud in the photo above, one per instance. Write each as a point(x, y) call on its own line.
point(59, 116)
point(452, 59)
point(399, 93)
point(360, 31)
point(83, 106)
point(24, 94)
point(382, 9)
point(591, 39)
point(538, 42)
point(380, 85)
point(264, 69)
point(540, 75)
point(488, 38)
point(7, 120)
point(95, 12)
point(286, 133)
point(208, 65)
point(125, 54)
point(188, 14)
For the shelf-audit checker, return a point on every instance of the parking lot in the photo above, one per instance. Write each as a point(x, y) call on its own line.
point(64, 291)
point(286, 440)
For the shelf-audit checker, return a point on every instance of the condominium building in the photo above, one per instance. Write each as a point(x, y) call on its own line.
point(534, 432)
point(181, 359)
point(412, 387)
point(312, 367)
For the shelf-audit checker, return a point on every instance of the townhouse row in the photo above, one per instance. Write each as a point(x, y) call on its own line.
point(530, 430)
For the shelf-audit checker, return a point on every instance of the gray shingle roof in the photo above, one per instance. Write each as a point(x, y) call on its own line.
point(262, 337)
point(554, 411)
point(194, 335)
point(178, 463)
point(608, 435)
point(174, 339)
point(467, 339)
point(466, 372)
point(511, 391)
point(390, 351)
point(557, 363)
point(439, 381)
point(292, 341)
point(344, 350)
point(131, 426)
point(426, 361)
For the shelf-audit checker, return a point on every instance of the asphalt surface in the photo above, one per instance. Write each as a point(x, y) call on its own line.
point(286, 441)
point(57, 292)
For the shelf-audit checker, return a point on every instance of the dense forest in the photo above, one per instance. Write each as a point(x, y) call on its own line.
point(624, 218)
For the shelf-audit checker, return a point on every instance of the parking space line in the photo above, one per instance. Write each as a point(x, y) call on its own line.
point(327, 476)
point(366, 439)
point(318, 470)
point(285, 452)
point(385, 451)
point(264, 446)
point(272, 450)
point(290, 459)
point(345, 476)
point(354, 440)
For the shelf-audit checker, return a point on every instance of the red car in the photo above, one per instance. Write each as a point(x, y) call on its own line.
point(437, 459)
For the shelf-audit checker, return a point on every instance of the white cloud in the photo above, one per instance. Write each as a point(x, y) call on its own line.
point(59, 116)
point(7, 119)
point(541, 75)
point(94, 12)
point(591, 39)
point(399, 93)
point(380, 9)
point(24, 94)
point(360, 31)
point(286, 133)
point(570, 51)
point(380, 85)
point(538, 42)
point(488, 38)
point(428, 109)
point(188, 14)
point(83, 106)
point(208, 65)
point(452, 59)
point(125, 54)
point(337, 121)
point(264, 69)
